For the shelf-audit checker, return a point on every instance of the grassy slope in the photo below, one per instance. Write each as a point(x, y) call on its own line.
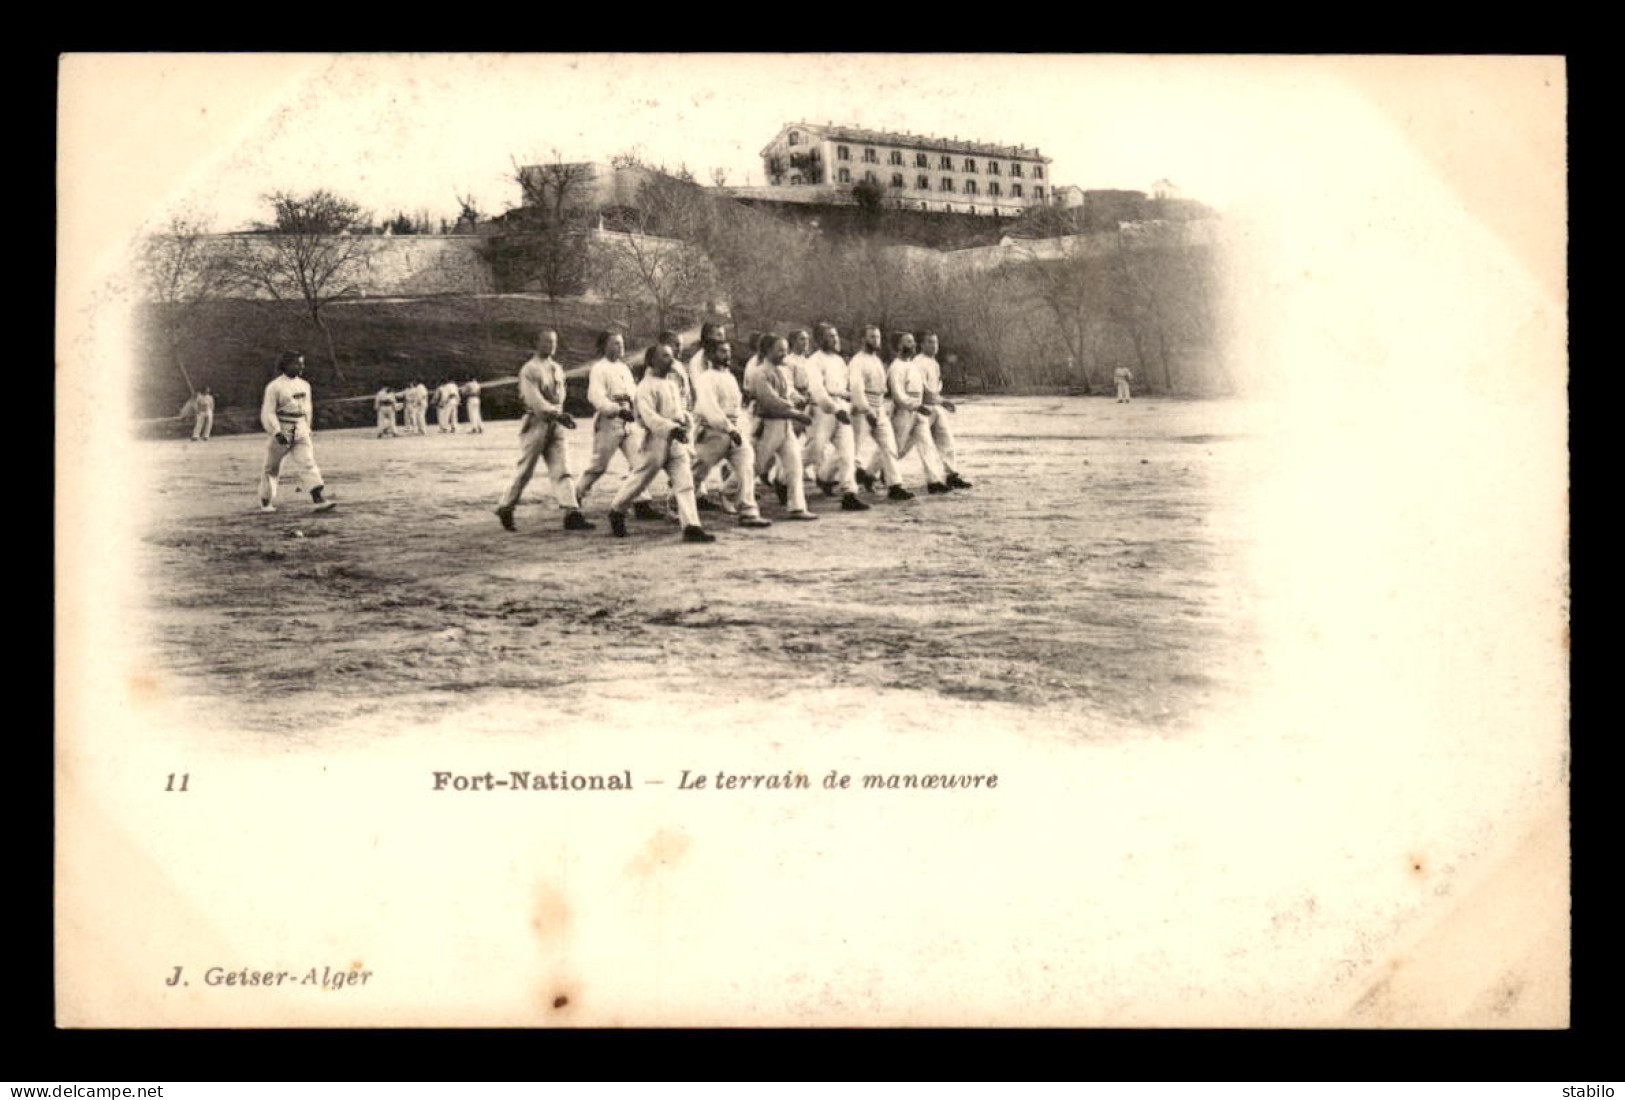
point(234, 345)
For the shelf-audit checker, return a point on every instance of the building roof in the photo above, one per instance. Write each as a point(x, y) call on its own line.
point(834, 132)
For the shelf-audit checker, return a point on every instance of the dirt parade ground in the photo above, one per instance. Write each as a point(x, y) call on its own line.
point(1090, 579)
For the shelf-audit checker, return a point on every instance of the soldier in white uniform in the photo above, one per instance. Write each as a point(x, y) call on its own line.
point(666, 425)
point(610, 391)
point(471, 406)
point(830, 436)
point(681, 374)
point(1122, 376)
point(384, 403)
point(447, 398)
point(286, 414)
point(770, 391)
point(203, 408)
point(871, 421)
point(541, 435)
point(722, 430)
point(417, 409)
point(941, 434)
point(910, 416)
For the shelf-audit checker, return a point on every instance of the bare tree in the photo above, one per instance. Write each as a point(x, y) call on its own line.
point(1072, 287)
point(310, 256)
point(652, 275)
point(182, 270)
point(544, 243)
point(719, 177)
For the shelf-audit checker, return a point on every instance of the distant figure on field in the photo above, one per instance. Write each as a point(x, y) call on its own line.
point(286, 414)
point(203, 409)
point(385, 403)
point(447, 398)
point(541, 435)
point(417, 408)
point(1122, 377)
point(471, 405)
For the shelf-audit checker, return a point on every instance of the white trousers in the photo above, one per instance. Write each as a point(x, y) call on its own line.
point(203, 425)
point(542, 440)
point(448, 416)
point(943, 436)
point(677, 460)
point(911, 430)
point(879, 433)
point(304, 458)
point(472, 415)
point(417, 419)
point(611, 434)
point(1122, 391)
point(386, 421)
point(832, 442)
point(778, 444)
point(714, 446)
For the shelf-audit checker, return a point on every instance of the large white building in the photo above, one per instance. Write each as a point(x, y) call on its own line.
point(812, 163)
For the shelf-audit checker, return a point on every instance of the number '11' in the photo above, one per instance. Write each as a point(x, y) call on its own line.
point(170, 786)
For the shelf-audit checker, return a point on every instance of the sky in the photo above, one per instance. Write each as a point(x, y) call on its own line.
point(412, 132)
point(143, 136)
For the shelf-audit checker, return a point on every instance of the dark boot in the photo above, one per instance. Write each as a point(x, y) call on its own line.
point(851, 503)
point(506, 516)
point(957, 482)
point(897, 492)
point(936, 487)
point(575, 521)
point(828, 487)
point(617, 524)
point(865, 479)
point(644, 510)
point(697, 534)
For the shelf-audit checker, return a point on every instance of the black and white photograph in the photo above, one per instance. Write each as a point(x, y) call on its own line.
point(811, 540)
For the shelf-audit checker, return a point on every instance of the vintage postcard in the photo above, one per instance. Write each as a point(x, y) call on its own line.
point(818, 540)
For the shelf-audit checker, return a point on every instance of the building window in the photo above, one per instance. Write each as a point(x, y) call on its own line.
point(870, 177)
point(895, 157)
point(1038, 171)
point(870, 157)
point(897, 179)
point(923, 182)
point(844, 175)
point(1015, 170)
point(947, 185)
point(842, 153)
point(970, 187)
point(920, 161)
point(993, 189)
point(1038, 192)
point(947, 164)
point(970, 165)
point(1015, 188)
point(795, 137)
point(992, 167)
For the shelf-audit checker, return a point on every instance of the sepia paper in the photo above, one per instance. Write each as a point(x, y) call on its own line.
point(1367, 828)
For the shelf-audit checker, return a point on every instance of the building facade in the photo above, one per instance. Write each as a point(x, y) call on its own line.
point(822, 163)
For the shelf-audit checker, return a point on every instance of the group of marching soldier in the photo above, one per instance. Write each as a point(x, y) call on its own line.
point(793, 415)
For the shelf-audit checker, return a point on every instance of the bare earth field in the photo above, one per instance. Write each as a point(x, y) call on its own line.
point(1092, 576)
